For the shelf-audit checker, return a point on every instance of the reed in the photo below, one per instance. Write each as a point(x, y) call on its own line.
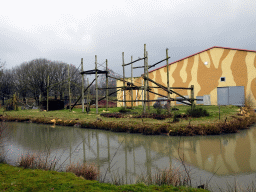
point(87, 171)
point(170, 176)
point(33, 161)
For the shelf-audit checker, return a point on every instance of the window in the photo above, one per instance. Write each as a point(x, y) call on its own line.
point(222, 79)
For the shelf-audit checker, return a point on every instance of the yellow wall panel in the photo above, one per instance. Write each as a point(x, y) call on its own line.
point(194, 81)
point(226, 70)
point(237, 66)
point(183, 72)
point(216, 54)
point(251, 70)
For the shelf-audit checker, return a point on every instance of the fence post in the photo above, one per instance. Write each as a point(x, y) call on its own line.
point(192, 97)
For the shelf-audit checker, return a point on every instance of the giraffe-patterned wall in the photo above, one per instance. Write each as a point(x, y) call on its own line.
point(204, 70)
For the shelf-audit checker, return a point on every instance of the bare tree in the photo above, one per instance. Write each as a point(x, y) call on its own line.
point(31, 79)
point(7, 87)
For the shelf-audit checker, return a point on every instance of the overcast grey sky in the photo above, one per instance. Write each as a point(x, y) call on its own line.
point(70, 30)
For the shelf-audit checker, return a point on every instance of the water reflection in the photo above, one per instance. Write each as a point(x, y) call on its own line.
point(131, 154)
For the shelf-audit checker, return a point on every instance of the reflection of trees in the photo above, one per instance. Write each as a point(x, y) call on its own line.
point(38, 137)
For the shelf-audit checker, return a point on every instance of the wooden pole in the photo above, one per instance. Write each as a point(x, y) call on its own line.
point(88, 97)
point(145, 82)
point(81, 95)
point(96, 85)
point(124, 96)
point(47, 107)
point(69, 94)
point(168, 84)
point(142, 82)
point(107, 85)
point(82, 69)
point(131, 82)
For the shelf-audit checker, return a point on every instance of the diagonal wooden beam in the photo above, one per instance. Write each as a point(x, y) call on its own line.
point(165, 88)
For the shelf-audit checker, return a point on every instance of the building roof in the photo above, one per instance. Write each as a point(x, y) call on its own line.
point(201, 52)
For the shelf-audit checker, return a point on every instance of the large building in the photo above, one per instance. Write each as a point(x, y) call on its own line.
point(220, 75)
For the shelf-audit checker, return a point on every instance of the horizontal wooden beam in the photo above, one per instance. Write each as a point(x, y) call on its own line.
point(170, 87)
point(138, 67)
point(89, 72)
point(134, 61)
point(158, 94)
point(158, 63)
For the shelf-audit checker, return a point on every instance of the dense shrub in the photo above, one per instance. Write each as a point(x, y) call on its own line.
point(123, 110)
point(111, 115)
point(176, 117)
point(12, 104)
point(197, 112)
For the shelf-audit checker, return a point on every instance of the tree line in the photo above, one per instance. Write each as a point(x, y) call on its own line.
point(29, 80)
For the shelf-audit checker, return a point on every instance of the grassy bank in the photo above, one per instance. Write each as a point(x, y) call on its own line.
point(19, 179)
point(178, 123)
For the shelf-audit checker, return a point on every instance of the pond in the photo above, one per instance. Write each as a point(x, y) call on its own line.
point(221, 160)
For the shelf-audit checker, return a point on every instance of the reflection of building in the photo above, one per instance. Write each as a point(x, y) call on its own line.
point(225, 154)
point(206, 70)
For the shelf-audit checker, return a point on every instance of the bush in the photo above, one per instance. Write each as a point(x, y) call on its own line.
point(111, 115)
point(123, 110)
point(176, 117)
point(12, 104)
point(197, 112)
point(159, 110)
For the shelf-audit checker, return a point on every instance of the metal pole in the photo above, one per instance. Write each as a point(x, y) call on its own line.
point(82, 69)
point(168, 85)
point(96, 84)
point(124, 96)
point(107, 85)
point(145, 82)
point(131, 82)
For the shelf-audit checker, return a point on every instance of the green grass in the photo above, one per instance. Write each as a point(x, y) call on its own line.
point(20, 179)
point(76, 114)
point(185, 126)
